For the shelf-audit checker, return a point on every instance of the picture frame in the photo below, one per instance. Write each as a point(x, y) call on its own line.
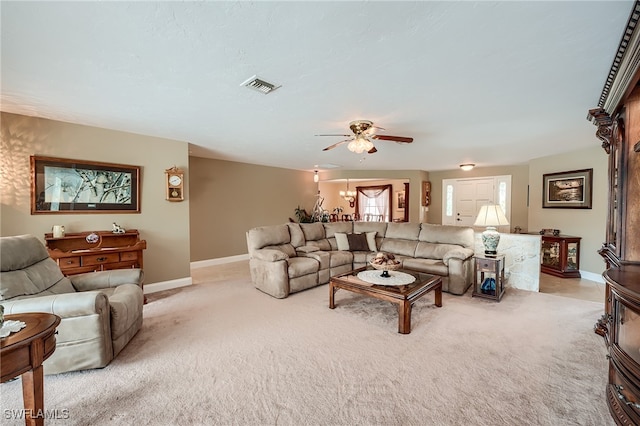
point(426, 193)
point(569, 190)
point(400, 202)
point(60, 185)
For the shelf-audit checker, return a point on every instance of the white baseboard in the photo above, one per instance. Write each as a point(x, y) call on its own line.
point(592, 276)
point(219, 261)
point(167, 285)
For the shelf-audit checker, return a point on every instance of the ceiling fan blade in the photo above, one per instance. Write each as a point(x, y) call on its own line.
point(344, 136)
point(400, 139)
point(336, 144)
point(372, 150)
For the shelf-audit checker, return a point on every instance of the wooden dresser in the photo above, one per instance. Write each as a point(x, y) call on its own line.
point(618, 121)
point(76, 255)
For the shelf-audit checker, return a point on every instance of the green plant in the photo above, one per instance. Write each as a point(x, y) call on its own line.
point(302, 215)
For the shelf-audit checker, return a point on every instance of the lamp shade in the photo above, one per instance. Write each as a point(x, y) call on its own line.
point(491, 215)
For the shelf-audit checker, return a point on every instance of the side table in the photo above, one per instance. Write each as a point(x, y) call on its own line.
point(23, 352)
point(489, 267)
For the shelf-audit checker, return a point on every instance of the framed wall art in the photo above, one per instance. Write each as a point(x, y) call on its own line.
point(400, 200)
point(572, 190)
point(426, 193)
point(61, 185)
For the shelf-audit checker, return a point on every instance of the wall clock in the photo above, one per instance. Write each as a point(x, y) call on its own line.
point(175, 184)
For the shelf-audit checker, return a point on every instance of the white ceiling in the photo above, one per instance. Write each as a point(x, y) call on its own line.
point(492, 83)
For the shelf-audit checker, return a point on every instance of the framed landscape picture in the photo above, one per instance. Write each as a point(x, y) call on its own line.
point(571, 189)
point(60, 185)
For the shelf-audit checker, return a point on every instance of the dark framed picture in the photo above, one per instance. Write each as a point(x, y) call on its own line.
point(400, 200)
point(571, 190)
point(61, 185)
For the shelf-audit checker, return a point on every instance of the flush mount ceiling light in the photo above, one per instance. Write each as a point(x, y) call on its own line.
point(467, 167)
point(260, 85)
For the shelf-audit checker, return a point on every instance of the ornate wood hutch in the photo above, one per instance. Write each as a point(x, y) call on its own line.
point(618, 120)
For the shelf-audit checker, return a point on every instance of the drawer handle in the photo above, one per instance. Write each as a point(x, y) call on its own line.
point(69, 262)
point(624, 399)
point(101, 259)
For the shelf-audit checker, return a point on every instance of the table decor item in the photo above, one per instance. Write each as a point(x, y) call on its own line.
point(385, 262)
point(11, 326)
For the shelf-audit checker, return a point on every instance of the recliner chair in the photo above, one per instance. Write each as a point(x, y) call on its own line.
point(100, 311)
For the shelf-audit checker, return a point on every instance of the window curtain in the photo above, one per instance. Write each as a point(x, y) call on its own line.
point(374, 200)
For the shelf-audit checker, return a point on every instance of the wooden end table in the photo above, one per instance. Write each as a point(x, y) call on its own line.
point(23, 352)
point(491, 267)
point(404, 296)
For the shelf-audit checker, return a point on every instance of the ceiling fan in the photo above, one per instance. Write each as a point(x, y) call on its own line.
point(363, 132)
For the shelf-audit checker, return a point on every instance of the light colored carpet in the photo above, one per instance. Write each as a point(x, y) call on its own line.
point(225, 353)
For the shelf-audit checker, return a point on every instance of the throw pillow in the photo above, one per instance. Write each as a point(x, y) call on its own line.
point(371, 241)
point(358, 242)
point(344, 243)
point(341, 241)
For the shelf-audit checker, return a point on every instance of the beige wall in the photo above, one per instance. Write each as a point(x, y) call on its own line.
point(163, 224)
point(519, 182)
point(229, 198)
point(589, 224)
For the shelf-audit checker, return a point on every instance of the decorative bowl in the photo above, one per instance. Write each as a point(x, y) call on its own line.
point(386, 266)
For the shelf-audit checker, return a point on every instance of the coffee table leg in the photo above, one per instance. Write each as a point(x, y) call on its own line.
point(404, 317)
point(332, 294)
point(438, 296)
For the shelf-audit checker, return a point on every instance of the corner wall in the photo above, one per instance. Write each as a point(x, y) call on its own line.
point(589, 224)
point(163, 224)
point(229, 198)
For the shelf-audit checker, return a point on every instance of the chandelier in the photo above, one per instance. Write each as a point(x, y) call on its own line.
point(349, 196)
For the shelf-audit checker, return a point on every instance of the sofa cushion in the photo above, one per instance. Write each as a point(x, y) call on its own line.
point(312, 231)
point(20, 252)
point(399, 246)
point(330, 228)
point(264, 236)
point(299, 266)
point(447, 234)
point(405, 231)
point(33, 279)
point(434, 251)
point(297, 236)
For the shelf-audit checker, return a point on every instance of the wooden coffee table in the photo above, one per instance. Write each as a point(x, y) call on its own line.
point(404, 296)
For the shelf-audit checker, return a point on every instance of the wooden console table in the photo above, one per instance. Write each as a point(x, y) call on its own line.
point(23, 352)
point(75, 255)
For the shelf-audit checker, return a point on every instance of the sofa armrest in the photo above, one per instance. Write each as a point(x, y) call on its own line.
point(66, 305)
point(106, 279)
point(459, 253)
point(269, 255)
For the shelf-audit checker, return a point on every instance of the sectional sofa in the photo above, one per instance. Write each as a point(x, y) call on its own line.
point(292, 257)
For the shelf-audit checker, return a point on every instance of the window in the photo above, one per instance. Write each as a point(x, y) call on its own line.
point(373, 203)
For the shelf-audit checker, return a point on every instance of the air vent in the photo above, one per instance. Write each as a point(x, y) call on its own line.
point(260, 85)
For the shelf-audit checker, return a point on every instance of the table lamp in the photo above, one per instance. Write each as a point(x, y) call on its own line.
point(491, 215)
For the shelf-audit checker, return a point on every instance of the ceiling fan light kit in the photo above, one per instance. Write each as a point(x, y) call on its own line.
point(363, 132)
